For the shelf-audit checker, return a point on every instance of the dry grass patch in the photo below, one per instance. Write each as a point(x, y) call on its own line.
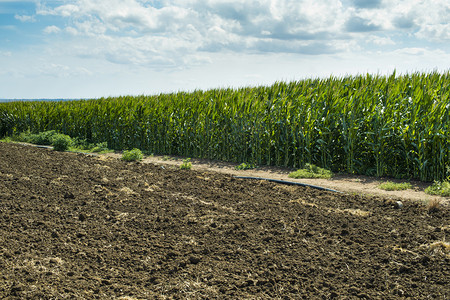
point(434, 205)
point(439, 247)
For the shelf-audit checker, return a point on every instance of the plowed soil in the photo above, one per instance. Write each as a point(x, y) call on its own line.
point(74, 226)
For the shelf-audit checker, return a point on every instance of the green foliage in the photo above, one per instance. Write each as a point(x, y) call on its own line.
point(245, 166)
point(100, 147)
point(186, 165)
point(132, 155)
point(311, 171)
point(391, 186)
point(51, 137)
point(42, 138)
point(81, 144)
point(397, 125)
point(61, 142)
point(21, 137)
point(441, 188)
point(7, 139)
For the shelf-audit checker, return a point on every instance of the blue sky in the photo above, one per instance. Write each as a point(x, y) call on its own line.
point(90, 49)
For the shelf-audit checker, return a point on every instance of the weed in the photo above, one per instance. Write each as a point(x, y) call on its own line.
point(311, 171)
point(132, 155)
point(441, 188)
point(7, 139)
point(186, 165)
point(100, 147)
point(391, 186)
point(245, 166)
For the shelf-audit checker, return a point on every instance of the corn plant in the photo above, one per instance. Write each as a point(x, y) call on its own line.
point(395, 125)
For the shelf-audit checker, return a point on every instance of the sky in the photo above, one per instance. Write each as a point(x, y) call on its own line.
point(100, 48)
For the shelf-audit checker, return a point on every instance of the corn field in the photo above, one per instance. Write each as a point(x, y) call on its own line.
point(369, 124)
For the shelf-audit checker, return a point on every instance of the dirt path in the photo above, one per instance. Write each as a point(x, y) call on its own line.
point(76, 226)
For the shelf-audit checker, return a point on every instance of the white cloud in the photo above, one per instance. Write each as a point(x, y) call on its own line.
point(134, 31)
point(176, 35)
point(435, 32)
point(71, 30)
point(52, 29)
point(67, 10)
point(25, 18)
point(415, 51)
point(427, 20)
point(380, 41)
point(61, 70)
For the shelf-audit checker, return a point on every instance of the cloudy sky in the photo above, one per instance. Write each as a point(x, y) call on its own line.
point(96, 48)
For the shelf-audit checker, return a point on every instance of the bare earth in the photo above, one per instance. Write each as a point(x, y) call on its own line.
point(77, 226)
point(353, 184)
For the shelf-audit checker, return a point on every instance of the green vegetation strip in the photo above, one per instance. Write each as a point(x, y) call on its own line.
point(391, 186)
point(311, 171)
point(59, 142)
point(393, 125)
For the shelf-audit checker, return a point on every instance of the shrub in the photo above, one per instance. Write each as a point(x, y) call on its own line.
point(186, 165)
point(311, 171)
point(42, 138)
point(22, 137)
point(61, 142)
point(391, 186)
point(132, 155)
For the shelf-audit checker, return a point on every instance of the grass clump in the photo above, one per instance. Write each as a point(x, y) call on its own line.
point(245, 166)
point(132, 155)
point(392, 186)
point(186, 165)
point(311, 171)
point(440, 188)
point(61, 142)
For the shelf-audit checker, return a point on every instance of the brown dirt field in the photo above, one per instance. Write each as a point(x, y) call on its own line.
point(353, 184)
point(94, 227)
